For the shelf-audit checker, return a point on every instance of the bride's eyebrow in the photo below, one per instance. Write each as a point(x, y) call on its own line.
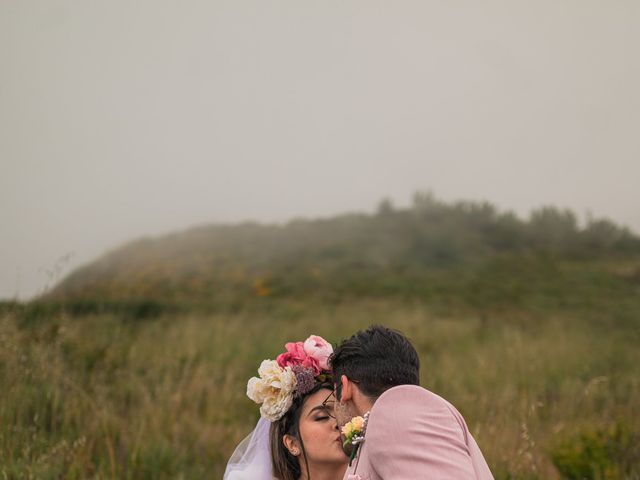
point(317, 407)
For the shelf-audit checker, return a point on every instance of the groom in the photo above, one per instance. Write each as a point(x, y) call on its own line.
point(411, 433)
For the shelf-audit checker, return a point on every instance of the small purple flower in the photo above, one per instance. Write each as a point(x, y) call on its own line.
point(305, 380)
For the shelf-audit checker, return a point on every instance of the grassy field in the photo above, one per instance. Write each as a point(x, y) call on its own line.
point(545, 392)
point(135, 365)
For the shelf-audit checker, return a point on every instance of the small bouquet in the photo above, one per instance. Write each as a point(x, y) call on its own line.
point(353, 432)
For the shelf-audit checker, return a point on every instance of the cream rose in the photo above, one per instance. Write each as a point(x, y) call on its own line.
point(358, 423)
point(347, 428)
point(274, 389)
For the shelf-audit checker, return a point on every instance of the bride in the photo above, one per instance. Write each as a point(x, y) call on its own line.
point(297, 437)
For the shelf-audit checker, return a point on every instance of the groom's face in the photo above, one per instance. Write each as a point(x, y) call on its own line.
point(342, 411)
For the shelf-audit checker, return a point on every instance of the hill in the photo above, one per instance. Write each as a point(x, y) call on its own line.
point(431, 251)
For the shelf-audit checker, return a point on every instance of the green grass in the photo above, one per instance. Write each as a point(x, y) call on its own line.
point(102, 396)
point(135, 366)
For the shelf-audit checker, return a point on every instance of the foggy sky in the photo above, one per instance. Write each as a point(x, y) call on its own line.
point(123, 119)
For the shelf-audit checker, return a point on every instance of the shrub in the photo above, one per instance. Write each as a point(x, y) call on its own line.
point(599, 454)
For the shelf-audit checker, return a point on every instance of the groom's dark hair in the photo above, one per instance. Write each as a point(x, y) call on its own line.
point(376, 359)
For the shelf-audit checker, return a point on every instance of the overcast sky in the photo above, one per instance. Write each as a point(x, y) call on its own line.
point(123, 119)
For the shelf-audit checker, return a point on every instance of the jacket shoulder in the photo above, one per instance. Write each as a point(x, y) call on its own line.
point(405, 406)
point(407, 395)
point(411, 429)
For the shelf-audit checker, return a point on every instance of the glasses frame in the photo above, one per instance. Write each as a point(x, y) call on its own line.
point(328, 409)
point(335, 393)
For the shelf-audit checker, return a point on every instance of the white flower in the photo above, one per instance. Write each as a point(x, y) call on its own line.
point(274, 389)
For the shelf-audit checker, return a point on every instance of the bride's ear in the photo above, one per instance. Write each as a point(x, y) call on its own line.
point(292, 444)
point(347, 389)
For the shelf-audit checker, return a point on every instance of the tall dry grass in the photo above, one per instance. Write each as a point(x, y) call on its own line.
point(100, 397)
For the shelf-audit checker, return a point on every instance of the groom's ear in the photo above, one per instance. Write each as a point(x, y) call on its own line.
point(346, 390)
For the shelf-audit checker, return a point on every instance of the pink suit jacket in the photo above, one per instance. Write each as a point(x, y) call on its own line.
point(413, 433)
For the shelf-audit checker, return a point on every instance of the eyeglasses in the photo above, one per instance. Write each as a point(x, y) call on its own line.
point(329, 408)
point(336, 394)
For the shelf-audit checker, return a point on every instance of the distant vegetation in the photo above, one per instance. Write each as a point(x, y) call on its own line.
point(135, 366)
point(434, 251)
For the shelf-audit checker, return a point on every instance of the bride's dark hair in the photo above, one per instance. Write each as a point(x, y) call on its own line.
point(285, 465)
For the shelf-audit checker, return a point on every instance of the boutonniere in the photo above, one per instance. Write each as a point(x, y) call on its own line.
point(353, 432)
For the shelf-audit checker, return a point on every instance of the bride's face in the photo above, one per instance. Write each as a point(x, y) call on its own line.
point(319, 431)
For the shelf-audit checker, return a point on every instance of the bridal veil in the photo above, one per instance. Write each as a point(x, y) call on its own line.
point(251, 459)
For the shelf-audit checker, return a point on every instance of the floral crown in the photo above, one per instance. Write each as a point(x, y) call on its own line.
point(292, 374)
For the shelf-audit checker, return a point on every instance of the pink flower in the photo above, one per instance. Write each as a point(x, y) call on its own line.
point(352, 476)
point(295, 355)
point(318, 349)
point(313, 364)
